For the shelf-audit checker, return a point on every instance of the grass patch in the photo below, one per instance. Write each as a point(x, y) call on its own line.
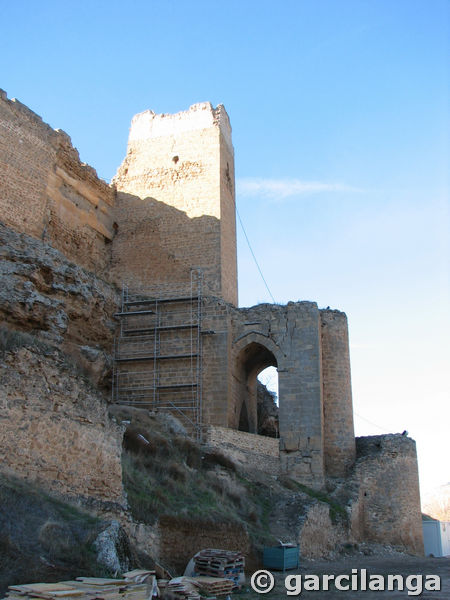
point(337, 511)
point(216, 457)
point(169, 475)
point(11, 339)
point(43, 538)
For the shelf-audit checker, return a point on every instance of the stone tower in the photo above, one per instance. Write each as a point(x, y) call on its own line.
point(176, 202)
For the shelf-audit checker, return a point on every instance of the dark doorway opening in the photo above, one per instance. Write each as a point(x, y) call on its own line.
point(256, 405)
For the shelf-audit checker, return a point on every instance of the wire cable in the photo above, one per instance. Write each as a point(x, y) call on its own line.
point(253, 254)
point(372, 423)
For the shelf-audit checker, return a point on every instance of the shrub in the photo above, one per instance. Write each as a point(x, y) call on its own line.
point(55, 537)
point(11, 339)
point(190, 450)
point(176, 471)
point(215, 457)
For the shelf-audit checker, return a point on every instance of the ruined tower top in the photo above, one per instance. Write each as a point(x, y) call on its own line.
point(147, 124)
point(176, 187)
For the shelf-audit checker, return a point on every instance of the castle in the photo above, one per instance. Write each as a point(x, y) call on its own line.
point(164, 232)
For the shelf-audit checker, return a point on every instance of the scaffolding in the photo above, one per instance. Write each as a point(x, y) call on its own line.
point(158, 353)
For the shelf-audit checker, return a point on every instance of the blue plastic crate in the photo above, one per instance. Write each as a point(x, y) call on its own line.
point(281, 558)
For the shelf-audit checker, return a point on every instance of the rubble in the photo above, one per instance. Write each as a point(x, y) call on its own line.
point(225, 569)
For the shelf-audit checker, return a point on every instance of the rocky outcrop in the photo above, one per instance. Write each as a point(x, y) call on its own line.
point(44, 537)
point(45, 294)
point(113, 549)
point(268, 420)
point(57, 301)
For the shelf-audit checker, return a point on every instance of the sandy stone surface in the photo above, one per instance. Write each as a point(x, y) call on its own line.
point(55, 427)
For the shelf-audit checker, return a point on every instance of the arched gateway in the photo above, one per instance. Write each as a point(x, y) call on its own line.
point(309, 348)
point(254, 357)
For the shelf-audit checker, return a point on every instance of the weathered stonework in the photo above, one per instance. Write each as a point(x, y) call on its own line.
point(45, 294)
point(184, 162)
point(315, 412)
point(249, 451)
point(69, 238)
point(387, 507)
point(55, 429)
point(47, 193)
point(181, 539)
point(339, 445)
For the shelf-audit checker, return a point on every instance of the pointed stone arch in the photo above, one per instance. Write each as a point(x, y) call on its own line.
point(253, 352)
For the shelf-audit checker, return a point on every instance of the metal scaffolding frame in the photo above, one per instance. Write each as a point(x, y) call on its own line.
point(158, 353)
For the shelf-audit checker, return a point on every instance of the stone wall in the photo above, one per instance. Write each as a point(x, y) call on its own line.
point(216, 361)
point(55, 428)
point(175, 206)
point(181, 539)
point(47, 193)
point(310, 350)
point(156, 245)
point(289, 338)
point(387, 507)
point(174, 212)
point(339, 440)
point(250, 451)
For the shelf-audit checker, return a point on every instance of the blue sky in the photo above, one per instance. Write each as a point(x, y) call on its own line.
point(340, 115)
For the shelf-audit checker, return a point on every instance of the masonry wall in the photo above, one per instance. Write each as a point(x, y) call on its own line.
point(55, 429)
point(387, 509)
point(228, 249)
point(250, 451)
point(291, 334)
point(216, 361)
point(181, 539)
point(156, 246)
point(46, 192)
point(339, 436)
point(237, 345)
point(175, 207)
point(310, 350)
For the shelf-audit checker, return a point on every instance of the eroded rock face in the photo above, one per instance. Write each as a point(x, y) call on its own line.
point(55, 428)
point(45, 294)
point(268, 420)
